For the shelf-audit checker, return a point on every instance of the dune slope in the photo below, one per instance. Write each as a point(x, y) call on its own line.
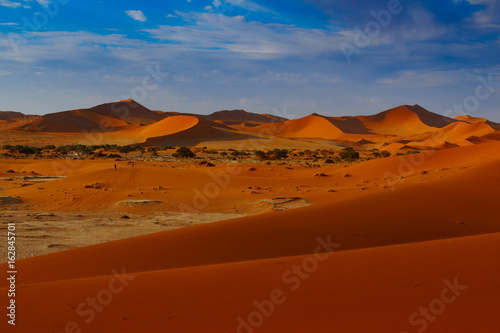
point(459, 205)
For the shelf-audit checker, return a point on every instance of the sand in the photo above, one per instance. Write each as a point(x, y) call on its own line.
point(400, 244)
point(128, 122)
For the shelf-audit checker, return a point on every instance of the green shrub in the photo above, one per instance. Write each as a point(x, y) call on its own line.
point(349, 154)
point(260, 154)
point(185, 152)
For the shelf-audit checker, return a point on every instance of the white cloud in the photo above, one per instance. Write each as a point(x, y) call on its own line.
point(245, 4)
point(426, 79)
point(171, 15)
point(9, 23)
point(137, 15)
point(251, 39)
point(422, 26)
point(43, 2)
point(10, 4)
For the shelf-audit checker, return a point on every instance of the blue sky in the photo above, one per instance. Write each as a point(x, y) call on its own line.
point(289, 58)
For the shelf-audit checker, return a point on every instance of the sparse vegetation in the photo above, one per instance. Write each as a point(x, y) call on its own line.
point(349, 154)
point(184, 152)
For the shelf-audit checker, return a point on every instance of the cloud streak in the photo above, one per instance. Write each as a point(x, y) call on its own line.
point(10, 4)
point(137, 15)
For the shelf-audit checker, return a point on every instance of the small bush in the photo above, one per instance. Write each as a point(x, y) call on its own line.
point(10, 171)
point(185, 152)
point(349, 154)
point(260, 154)
point(385, 153)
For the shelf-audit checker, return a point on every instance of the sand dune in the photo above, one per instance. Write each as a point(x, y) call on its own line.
point(313, 126)
point(450, 134)
point(73, 121)
point(202, 131)
point(470, 119)
point(9, 119)
point(129, 111)
point(460, 131)
point(104, 118)
point(474, 120)
point(405, 120)
point(163, 127)
point(385, 254)
point(386, 284)
point(12, 116)
point(128, 123)
point(455, 213)
point(242, 118)
point(413, 124)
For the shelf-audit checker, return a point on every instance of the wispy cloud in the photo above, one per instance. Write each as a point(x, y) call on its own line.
point(426, 78)
point(137, 15)
point(245, 4)
point(43, 2)
point(10, 4)
point(254, 39)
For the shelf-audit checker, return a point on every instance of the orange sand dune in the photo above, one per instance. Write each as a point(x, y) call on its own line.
point(73, 121)
point(10, 119)
point(350, 125)
point(493, 136)
point(459, 205)
point(203, 130)
point(242, 118)
point(173, 130)
point(470, 119)
point(313, 126)
point(455, 278)
point(405, 120)
point(474, 120)
point(104, 118)
point(453, 133)
point(412, 165)
point(129, 111)
point(163, 127)
point(477, 140)
point(460, 131)
point(383, 127)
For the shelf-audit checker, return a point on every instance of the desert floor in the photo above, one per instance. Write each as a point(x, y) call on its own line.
point(400, 244)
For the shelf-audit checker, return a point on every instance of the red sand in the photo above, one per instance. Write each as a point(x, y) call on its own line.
point(395, 252)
